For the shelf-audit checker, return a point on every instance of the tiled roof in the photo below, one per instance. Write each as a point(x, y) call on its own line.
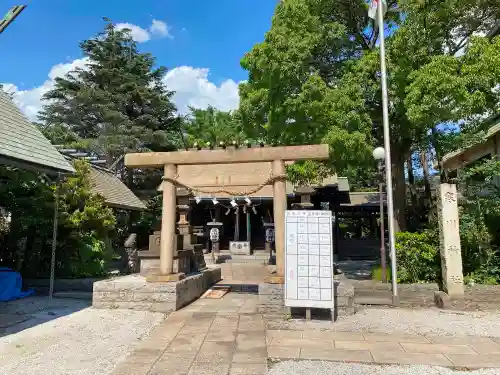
point(23, 145)
point(114, 191)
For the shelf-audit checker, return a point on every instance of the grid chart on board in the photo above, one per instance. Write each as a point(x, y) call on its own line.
point(309, 259)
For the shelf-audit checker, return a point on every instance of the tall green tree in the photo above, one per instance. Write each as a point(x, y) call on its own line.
point(451, 79)
point(214, 126)
point(117, 103)
point(316, 77)
point(307, 83)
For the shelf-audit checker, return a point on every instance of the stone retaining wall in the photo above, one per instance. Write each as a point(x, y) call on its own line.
point(133, 292)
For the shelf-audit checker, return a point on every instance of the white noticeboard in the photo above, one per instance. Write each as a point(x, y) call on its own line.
point(309, 259)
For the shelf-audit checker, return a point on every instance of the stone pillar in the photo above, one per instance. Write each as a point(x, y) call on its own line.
point(279, 207)
point(167, 242)
point(449, 238)
point(183, 225)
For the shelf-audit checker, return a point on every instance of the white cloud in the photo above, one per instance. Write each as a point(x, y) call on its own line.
point(140, 35)
point(30, 100)
point(191, 85)
point(160, 28)
point(193, 88)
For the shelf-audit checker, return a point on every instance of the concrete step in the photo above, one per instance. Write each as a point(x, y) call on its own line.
point(377, 301)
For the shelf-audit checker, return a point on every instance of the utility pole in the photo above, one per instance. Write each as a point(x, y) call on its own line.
point(11, 16)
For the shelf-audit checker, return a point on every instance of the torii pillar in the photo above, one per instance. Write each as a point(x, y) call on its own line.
point(169, 161)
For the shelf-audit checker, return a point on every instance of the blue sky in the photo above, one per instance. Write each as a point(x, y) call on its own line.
point(202, 43)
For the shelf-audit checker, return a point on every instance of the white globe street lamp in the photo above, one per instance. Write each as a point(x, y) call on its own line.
point(379, 154)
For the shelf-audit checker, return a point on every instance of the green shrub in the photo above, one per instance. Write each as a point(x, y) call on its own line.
point(417, 257)
point(377, 273)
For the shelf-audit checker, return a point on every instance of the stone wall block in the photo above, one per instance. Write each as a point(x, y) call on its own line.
point(133, 292)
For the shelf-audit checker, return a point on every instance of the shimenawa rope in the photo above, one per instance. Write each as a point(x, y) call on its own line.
point(270, 180)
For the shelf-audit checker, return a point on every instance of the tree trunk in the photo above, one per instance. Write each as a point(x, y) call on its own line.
point(399, 192)
point(411, 182)
point(439, 154)
point(427, 184)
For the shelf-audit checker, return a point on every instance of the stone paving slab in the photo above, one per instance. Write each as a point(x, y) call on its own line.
point(464, 352)
point(213, 337)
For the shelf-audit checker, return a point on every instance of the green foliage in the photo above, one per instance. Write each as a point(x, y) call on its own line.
point(480, 220)
point(84, 230)
point(149, 220)
point(295, 95)
point(316, 78)
point(214, 126)
point(418, 257)
point(307, 173)
point(377, 273)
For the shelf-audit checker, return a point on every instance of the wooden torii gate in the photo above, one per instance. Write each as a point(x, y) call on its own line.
point(277, 156)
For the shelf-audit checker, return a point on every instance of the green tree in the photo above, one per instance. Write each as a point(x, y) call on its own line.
point(117, 103)
point(454, 67)
point(214, 126)
point(85, 227)
point(316, 78)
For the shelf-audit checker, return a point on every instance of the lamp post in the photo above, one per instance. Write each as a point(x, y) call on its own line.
point(379, 156)
point(377, 11)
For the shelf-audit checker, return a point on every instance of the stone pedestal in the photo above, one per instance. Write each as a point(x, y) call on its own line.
point(240, 248)
point(449, 237)
point(149, 262)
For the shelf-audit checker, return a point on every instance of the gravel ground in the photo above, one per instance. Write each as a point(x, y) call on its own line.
point(331, 368)
point(430, 321)
point(86, 342)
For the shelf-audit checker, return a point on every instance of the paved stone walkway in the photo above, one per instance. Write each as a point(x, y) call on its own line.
point(236, 273)
point(209, 337)
point(228, 336)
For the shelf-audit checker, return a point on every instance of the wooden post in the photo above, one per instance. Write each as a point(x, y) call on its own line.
point(249, 230)
point(279, 190)
point(237, 224)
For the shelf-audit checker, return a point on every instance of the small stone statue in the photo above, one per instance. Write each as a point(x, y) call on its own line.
point(132, 254)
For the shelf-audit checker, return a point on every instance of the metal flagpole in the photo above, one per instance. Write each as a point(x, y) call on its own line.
point(387, 147)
